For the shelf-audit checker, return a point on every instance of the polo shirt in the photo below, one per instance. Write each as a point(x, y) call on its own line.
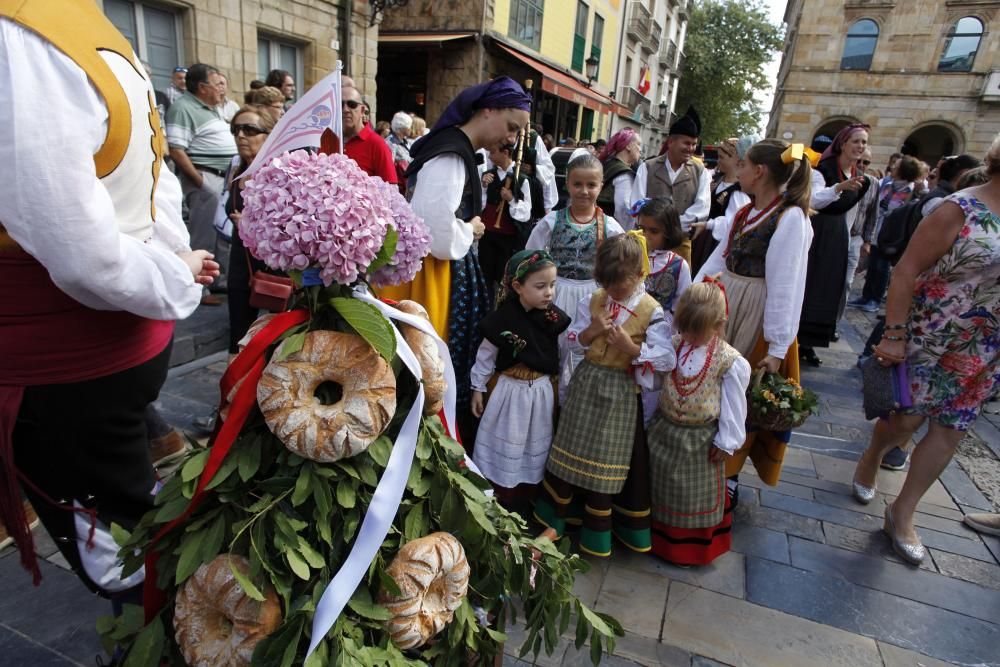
point(198, 130)
point(372, 154)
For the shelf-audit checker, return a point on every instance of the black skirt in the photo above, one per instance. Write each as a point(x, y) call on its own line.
point(824, 280)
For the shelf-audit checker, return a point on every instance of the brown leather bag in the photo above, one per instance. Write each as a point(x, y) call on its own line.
point(268, 291)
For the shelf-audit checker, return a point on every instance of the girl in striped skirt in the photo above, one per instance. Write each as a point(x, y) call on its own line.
point(599, 453)
point(699, 423)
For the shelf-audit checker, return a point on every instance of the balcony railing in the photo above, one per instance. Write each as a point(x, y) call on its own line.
point(668, 54)
point(652, 45)
point(636, 102)
point(639, 21)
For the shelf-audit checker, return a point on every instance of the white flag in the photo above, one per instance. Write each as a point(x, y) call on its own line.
point(303, 124)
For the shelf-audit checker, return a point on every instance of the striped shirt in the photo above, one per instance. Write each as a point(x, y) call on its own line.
point(196, 128)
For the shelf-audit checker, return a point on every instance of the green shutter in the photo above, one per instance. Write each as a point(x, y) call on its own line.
point(579, 45)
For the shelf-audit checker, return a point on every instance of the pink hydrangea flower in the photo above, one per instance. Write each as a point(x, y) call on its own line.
point(313, 210)
point(413, 245)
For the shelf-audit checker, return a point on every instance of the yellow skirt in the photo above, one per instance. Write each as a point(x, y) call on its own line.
point(431, 288)
point(765, 448)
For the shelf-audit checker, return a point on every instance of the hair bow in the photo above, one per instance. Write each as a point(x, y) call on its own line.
point(722, 288)
point(635, 233)
point(792, 153)
point(813, 156)
point(637, 206)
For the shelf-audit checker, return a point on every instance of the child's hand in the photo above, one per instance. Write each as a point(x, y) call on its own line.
point(487, 179)
point(477, 404)
point(598, 327)
point(716, 455)
point(617, 338)
point(506, 194)
point(203, 269)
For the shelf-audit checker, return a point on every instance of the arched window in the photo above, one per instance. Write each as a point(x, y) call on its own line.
point(859, 47)
point(960, 45)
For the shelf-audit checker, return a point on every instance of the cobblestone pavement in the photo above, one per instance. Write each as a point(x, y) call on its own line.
point(811, 579)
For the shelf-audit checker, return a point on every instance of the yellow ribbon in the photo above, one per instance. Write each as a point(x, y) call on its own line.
point(813, 156)
point(792, 153)
point(646, 269)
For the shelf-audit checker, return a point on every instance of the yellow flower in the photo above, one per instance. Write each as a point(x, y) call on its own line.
point(771, 398)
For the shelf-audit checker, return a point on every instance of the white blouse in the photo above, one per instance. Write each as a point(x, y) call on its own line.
point(784, 275)
point(822, 196)
point(721, 225)
point(436, 197)
point(657, 350)
point(54, 206)
point(542, 232)
point(486, 362)
point(623, 195)
point(733, 409)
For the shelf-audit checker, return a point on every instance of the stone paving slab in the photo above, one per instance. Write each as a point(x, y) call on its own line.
point(18, 649)
point(867, 542)
point(863, 611)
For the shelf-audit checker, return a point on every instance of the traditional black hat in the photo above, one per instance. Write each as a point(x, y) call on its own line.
point(689, 124)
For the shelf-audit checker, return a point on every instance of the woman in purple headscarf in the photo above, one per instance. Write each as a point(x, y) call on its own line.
point(619, 157)
point(443, 189)
point(837, 187)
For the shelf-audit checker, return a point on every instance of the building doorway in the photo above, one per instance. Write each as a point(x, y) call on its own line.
point(831, 127)
point(401, 82)
point(932, 142)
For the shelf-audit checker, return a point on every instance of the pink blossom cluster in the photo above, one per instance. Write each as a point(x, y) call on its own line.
point(314, 210)
point(413, 245)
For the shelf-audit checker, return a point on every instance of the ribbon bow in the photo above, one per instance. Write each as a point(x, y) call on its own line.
point(813, 156)
point(637, 234)
point(722, 288)
point(792, 153)
point(637, 206)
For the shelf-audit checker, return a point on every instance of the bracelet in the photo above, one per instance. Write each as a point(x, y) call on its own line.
point(894, 327)
point(892, 338)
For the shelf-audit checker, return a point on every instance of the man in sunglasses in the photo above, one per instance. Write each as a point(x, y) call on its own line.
point(361, 144)
point(202, 146)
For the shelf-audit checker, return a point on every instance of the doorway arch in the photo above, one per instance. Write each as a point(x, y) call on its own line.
point(831, 126)
point(932, 141)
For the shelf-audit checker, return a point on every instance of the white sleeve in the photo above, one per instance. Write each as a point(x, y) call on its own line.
point(541, 233)
point(54, 206)
point(658, 348)
point(482, 370)
point(684, 280)
point(733, 410)
point(715, 263)
point(521, 210)
point(785, 276)
point(623, 193)
point(720, 226)
point(702, 202)
point(543, 163)
point(639, 185)
point(580, 322)
point(436, 197)
point(550, 195)
point(612, 227)
point(822, 196)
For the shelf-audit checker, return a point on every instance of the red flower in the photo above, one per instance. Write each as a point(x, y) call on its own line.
point(977, 389)
point(963, 365)
point(934, 287)
point(966, 230)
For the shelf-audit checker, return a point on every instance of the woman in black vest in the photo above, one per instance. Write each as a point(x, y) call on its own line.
point(619, 157)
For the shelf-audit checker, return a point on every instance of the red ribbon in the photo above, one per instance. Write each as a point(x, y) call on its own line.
point(722, 288)
point(248, 367)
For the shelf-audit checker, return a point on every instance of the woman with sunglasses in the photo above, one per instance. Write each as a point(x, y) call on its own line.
point(250, 127)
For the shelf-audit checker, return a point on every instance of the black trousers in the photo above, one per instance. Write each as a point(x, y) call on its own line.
point(877, 277)
point(87, 441)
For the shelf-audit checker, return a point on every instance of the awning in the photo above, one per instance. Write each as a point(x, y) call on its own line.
point(421, 38)
point(562, 85)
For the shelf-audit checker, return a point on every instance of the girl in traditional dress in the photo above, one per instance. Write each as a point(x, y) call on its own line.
point(669, 274)
point(572, 235)
point(521, 343)
point(699, 423)
point(599, 453)
point(763, 267)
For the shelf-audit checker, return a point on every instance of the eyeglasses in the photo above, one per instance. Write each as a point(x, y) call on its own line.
point(248, 130)
point(351, 104)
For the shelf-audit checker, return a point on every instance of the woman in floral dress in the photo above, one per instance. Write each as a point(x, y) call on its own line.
point(943, 318)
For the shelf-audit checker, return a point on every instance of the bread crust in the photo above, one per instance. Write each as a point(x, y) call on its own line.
point(426, 350)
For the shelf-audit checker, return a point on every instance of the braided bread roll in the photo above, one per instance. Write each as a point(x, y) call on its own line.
point(426, 351)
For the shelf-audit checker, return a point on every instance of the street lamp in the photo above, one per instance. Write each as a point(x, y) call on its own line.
point(591, 63)
point(663, 110)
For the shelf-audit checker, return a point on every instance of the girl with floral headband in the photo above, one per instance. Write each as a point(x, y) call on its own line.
point(520, 343)
point(599, 455)
point(762, 264)
point(698, 424)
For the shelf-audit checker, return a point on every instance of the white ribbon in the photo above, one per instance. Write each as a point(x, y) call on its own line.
point(389, 492)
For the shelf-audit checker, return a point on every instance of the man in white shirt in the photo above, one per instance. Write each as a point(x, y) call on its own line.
point(676, 174)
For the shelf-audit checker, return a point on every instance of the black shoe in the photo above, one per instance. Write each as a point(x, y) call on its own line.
point(808, 355)
point(895, 459)
point(836, 336)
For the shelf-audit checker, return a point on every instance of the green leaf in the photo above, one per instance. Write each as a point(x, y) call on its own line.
point(148, 647)
point(194, 466)
point(312, 556)
point(227, 467)
point(297, 564)
point(302, 486)
point(386, 252)
point(212, 538)
point(189, 557)
point(468, 488)
point(119, 534)
point(595, 648)
point(479, 515)
point(290, 346)
point(498, 637)
point(451, 511)
point(370, 324)
point(415, 525)
point(245, 583)
point(362, 605)
point(279, 649)
point(388, 583)
point(380, 450)
point(347, 495)
point(249, 460)
point(596, 621)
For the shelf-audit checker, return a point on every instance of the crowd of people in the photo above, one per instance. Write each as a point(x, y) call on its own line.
point(602, 349)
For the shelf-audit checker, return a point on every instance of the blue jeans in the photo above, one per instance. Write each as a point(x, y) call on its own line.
point(877, 279)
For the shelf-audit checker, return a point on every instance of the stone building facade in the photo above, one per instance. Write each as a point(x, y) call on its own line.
point(925, 74)
point(247, 38)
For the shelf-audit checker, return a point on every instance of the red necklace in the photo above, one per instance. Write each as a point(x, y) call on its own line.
point(569, 209)
point(740, 222)
point(688, 386)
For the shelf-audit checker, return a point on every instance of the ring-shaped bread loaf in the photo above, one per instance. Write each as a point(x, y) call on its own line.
point(426, 351)
point(287, 397)
point(433, 578)
point(216, 624)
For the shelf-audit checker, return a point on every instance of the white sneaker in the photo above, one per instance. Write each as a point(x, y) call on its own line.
point(985, 522)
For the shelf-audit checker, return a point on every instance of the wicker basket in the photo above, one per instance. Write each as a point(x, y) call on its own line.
point(770, 421)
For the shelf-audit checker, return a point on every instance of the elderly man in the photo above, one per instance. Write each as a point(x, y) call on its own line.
point(176, 88)
point(202, 147)
point(676, 174)
point(361, 144)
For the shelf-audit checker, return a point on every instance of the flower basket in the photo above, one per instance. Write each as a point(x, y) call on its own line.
point(775, 403)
